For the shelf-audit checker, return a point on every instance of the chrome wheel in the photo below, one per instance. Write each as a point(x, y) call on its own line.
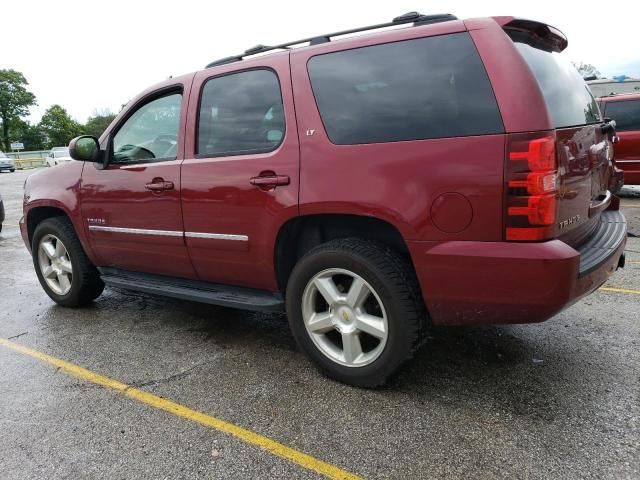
point(345, 317)
point(55, 264)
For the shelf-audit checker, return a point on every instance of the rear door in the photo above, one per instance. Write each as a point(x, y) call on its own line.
point(240, 174)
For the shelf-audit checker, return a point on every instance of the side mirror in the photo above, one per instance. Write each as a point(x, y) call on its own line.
point(85, 148)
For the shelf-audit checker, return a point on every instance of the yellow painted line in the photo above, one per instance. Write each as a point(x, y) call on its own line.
point(630, 206)
point(619, 290)
point(271, 446)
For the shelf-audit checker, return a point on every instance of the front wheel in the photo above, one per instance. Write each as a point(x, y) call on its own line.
point(64, 271)
point(355, 309)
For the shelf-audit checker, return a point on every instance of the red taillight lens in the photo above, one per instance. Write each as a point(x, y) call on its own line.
point(531, 184)
point(540, 209)
point(540, 153)
point(537, 183)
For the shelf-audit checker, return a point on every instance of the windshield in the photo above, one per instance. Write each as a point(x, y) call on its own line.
point(2, 155)
point(61, 153)
point(567, 96)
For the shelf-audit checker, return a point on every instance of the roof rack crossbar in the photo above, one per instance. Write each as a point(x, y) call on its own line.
point(412, 17)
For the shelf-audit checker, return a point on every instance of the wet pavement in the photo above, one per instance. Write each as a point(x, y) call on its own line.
point(556, 400)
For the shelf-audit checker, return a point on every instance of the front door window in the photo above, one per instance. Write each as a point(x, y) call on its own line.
point(151, 133)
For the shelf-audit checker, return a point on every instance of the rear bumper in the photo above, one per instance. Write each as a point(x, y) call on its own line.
point(488, 283)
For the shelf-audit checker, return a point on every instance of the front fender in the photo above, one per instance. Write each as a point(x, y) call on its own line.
point(51, 190)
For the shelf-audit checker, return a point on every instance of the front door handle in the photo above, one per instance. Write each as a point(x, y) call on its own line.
point(159, 185)
point(269, 179)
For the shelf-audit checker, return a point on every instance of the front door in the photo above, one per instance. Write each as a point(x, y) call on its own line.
point(240, 173)
point(132, 207)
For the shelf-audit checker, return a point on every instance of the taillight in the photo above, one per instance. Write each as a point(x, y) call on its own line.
point(531, 177)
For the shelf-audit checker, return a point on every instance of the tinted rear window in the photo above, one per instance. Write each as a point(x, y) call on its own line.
point(626, 114)
point(411, 90)
point(567, 96)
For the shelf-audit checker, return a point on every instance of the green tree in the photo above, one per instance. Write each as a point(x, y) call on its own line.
point(98, 122)
point(57, 127)
point(25, 132)
point(15, 101)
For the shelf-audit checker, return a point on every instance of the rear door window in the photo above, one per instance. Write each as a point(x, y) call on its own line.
point(569, 100)
point(410, 90)
point(625, 113)
point(240, 113)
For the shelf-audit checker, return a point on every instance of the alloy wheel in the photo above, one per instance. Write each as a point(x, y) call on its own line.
point(55, 264)
point(345, 317)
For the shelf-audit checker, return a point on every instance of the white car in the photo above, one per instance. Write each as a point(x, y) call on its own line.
point(7, 163)
point(58, 155)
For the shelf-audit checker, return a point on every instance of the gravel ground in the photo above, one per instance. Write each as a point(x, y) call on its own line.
point(556, 400)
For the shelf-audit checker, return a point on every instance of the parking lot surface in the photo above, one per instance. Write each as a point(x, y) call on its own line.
point(555, 400)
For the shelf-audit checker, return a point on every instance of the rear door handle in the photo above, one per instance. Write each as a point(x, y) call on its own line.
point(159, 185)
point(270, 180)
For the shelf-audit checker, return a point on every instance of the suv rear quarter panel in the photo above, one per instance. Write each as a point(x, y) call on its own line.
point(405, 183)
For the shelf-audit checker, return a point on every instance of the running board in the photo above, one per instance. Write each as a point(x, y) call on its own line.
point(194, 290)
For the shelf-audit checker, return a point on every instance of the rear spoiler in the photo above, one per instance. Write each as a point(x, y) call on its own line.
point(537, 34)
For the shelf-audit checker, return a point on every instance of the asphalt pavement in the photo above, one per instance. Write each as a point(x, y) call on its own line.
point(555, 400)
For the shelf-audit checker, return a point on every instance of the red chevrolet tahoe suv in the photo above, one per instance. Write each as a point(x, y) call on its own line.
point(444, 172)
point(624, 109)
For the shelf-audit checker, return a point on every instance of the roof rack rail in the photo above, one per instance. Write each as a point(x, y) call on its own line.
point(412, 17)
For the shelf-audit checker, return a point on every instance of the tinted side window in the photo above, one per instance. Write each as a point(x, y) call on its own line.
point(626, 114)
point(241, 113)
point(415, 89)
point(151, 133)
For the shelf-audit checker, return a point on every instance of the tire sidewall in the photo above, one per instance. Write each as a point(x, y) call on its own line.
point(52, 227)
point(398, 342)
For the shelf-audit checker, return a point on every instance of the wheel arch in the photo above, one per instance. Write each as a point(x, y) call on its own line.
point(37, 215)
point(39, 212)
point(300, 234)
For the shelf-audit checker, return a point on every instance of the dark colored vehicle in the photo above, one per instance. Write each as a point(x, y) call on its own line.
point(372, 186)
point(625, 110)
point(1, 212)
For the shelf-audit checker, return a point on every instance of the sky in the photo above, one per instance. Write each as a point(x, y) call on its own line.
point(95, 55)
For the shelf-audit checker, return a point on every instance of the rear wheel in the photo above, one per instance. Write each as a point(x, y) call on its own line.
point(64, 271)
point(355, 309)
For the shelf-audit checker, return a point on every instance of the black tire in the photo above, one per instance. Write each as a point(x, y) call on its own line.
point(12, 170)
point(394, 281)
point(86, 284)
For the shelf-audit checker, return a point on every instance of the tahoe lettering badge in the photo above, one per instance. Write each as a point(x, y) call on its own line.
point(569, 221)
